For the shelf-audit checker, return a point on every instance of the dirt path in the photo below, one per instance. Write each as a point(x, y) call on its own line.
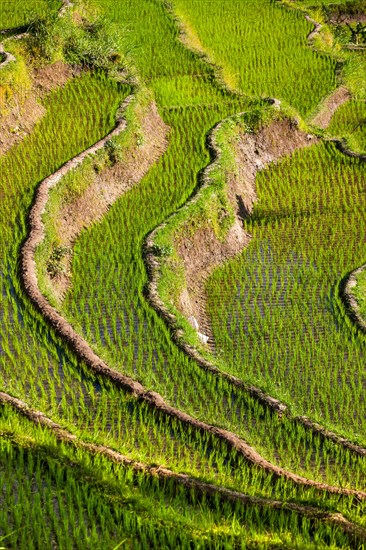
point(188, 482)
point(317, 28)
point(330, 105)
point(36, 233)
point(203, 252)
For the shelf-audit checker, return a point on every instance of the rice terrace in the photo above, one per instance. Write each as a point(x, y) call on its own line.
point(183, 274)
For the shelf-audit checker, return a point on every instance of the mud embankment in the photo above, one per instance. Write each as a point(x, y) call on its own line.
point(201, 252)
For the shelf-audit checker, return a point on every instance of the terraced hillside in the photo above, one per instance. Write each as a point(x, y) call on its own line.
point(182, 343)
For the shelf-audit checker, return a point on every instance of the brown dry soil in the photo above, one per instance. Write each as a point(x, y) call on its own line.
point(330, 105)
point(105, 188)
point(23, 113)
point(19, 122)
point(53, 76)
point(188, 482)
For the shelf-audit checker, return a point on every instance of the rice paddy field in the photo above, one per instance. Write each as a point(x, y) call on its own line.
point(349, 123)
point(14, 13)
point(193, 456)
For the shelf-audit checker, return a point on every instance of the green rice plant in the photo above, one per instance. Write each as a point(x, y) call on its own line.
point(262, 48)
point(108, 305)
point(276, 313)
point(82, 112)
point(15, 81)
point(112, 313)
point(151, 38)
point(65, 494)
point(50, 376)
point(349, 123)
point(15, 13)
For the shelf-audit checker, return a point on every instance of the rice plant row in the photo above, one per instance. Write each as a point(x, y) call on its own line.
point(69, 498)
point(119, 328)
point(83, 486)
point(56, 379)
point(262, 48)
point(276, 310)
point(349, 122)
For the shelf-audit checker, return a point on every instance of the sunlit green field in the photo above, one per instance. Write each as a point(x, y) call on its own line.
point(350, 122)
point(16, 13)
point(277, 317)
point(262, 48)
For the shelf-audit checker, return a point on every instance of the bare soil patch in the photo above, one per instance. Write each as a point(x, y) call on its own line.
point(49, 77)
point(329, 107)
point(22, 114)
point(201, 254)
point(19, 123)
